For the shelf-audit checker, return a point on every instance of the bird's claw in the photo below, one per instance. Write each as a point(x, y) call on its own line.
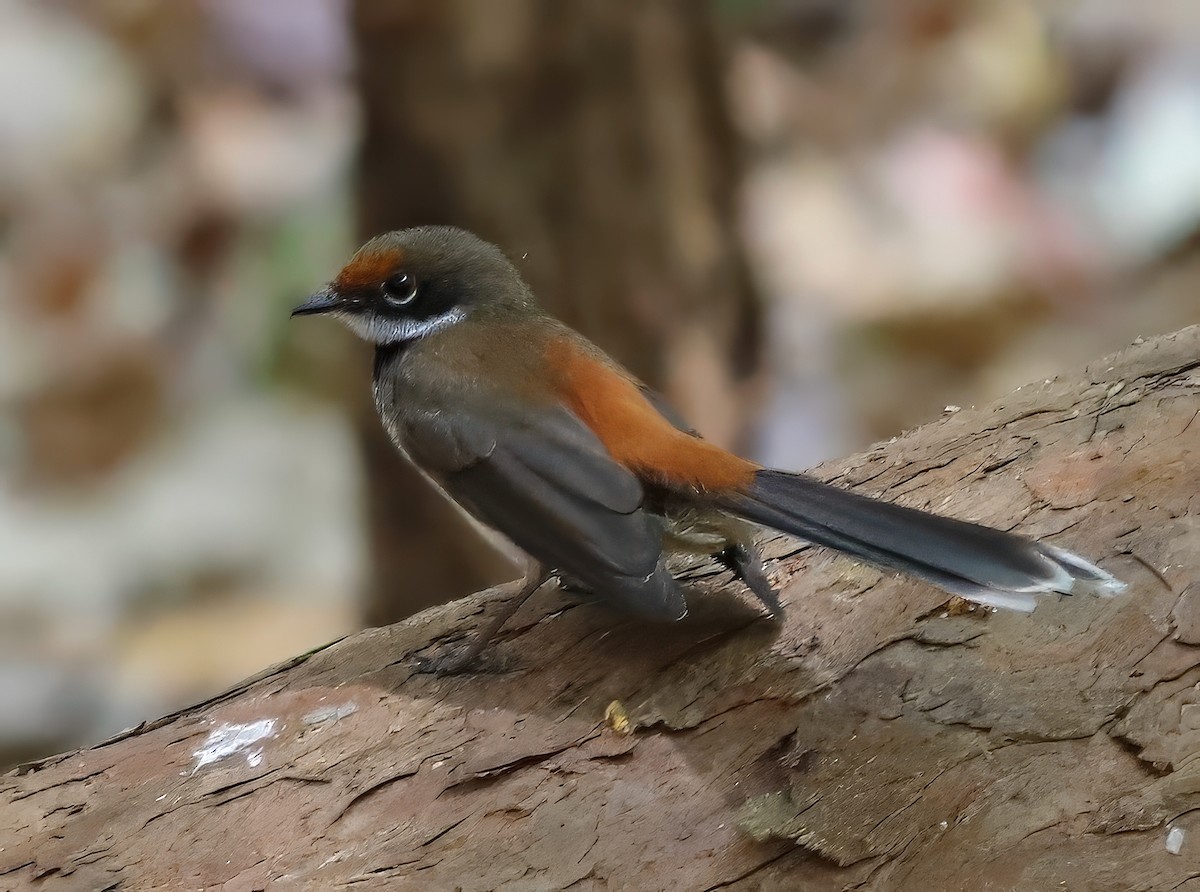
point(453, 661)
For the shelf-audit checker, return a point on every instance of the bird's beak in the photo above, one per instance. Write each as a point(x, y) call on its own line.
point(324, 301)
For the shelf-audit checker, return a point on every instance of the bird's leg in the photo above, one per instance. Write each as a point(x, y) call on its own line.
point(534, 579)
point(746, 564)
point(453, 663)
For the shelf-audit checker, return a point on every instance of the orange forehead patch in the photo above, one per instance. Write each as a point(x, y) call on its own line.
point(369, 268)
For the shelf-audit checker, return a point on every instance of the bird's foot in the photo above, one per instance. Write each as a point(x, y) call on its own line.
point(451, 661)
point(570, 586)
point(746, 565)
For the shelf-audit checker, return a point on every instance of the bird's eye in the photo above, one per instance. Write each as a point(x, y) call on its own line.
point(400, 289)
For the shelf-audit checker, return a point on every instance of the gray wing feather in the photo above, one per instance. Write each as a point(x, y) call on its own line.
point(546, 481)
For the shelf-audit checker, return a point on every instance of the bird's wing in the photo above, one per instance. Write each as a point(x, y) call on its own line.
point(637, 427)
point(666, 410)
point(544, 480)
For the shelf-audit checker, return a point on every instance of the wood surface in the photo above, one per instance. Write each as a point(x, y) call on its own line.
point(880, 738)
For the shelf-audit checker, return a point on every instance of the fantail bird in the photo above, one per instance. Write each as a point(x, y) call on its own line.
point(543, 437)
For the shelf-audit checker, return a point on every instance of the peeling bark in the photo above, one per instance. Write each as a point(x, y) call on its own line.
point(877, 739)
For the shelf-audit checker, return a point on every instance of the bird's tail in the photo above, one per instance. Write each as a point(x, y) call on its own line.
point(978, 563)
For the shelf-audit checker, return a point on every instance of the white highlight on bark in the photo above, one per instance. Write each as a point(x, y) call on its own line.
point(1175, 840)
point(229, 739)
point(323, 714)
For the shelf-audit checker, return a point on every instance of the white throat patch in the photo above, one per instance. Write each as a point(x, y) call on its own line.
point(381, 330)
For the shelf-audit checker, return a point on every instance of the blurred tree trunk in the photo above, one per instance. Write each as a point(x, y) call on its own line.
point(591, 141)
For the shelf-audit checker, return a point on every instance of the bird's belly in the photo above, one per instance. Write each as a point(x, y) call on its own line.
point(385, 402)
point(511, 551)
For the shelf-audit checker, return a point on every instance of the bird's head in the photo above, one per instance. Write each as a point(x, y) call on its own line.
point(406, 285)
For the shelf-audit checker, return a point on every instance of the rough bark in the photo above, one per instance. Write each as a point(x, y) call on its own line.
point(590, 139)
point(876, 739)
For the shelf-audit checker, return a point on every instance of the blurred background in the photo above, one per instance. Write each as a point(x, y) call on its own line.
point(812, 223)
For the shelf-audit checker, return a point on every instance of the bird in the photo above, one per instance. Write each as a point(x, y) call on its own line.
point(544, 439)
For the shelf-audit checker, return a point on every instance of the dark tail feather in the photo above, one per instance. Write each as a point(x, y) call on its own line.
point(975, 562)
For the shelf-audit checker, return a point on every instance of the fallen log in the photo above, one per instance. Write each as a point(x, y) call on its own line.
point(880, 738)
